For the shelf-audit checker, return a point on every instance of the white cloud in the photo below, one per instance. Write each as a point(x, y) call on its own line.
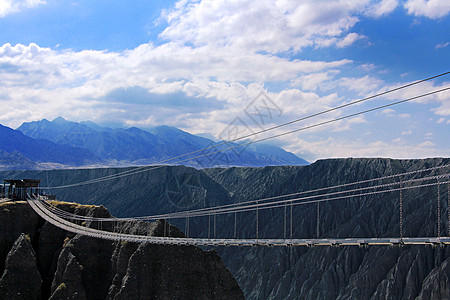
point(427, 144)
point(442, 45)
point(442, 98)
point(367, 67)
point(81, 85)
point(388, 112)
point(433, 9)
point(404, 116)
point(407, 132)
point(428, 135)
point(349, 39)
point(315, 81)
point(336, 148)
point(218, 56)
point(13, 6)
point(382, 8)
point(270, 26)
point(363, 85)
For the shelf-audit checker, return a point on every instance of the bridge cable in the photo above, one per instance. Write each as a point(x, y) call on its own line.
point(250, 207)
point(300, 193)
point(411, 187)
point(219, 208)
point(283, 202)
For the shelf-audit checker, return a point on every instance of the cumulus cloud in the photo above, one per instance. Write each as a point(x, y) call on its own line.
point(363, 85)
point(216, 58)
point(270, 26)
point(13, 6)
point(388, 112)
point(314, 81)
point(433, 9)
point(349, 39)
point(382, 8)
point(441, 99)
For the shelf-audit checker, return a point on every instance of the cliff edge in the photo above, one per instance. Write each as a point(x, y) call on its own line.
point(41, 261)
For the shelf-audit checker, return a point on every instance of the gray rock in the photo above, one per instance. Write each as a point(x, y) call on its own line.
point(67, 282)
point(21, 278)
point(177, 272)
point(437, 283)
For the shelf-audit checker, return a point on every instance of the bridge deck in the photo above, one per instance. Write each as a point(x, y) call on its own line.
point(69, 226)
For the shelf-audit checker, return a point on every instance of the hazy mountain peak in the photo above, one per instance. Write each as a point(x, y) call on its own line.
point(59, 120)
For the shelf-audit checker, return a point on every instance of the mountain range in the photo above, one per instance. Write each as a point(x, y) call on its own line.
point(62, 143)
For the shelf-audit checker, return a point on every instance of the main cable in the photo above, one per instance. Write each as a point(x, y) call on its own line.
point(239, 208)
point(307, 192)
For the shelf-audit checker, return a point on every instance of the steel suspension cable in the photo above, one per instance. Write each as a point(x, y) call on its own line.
point(236, 207)
point(302, 193)
point(265, 205)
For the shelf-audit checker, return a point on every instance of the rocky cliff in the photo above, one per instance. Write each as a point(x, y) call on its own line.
point(383, 272)
point(40, 261)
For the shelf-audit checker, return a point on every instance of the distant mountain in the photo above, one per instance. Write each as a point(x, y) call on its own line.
point(109, 144)
point(24, 150)
point(16, 161)
point(137, 146)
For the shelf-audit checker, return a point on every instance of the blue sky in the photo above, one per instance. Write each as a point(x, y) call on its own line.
point(200, 65)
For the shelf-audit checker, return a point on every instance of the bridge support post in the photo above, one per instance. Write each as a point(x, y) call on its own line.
point(291, 220)
point(438, 210)
point(318, 220)
point(401, 211)
point(235, 223)
point(209, 226)
point(284, 224)
point(257, 219)
point(214, 226)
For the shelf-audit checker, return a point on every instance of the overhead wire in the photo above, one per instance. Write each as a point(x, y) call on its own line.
point(267, 138)
point(143, 168)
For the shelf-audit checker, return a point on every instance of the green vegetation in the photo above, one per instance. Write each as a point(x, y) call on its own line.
point(61, 287)
point(66, 241)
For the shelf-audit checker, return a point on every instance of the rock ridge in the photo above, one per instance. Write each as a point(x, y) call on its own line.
point(40, 261)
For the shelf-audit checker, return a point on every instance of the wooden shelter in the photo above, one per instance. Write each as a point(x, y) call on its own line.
point(17, 189)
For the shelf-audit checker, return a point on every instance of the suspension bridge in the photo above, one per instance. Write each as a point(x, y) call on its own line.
point(437, 177)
